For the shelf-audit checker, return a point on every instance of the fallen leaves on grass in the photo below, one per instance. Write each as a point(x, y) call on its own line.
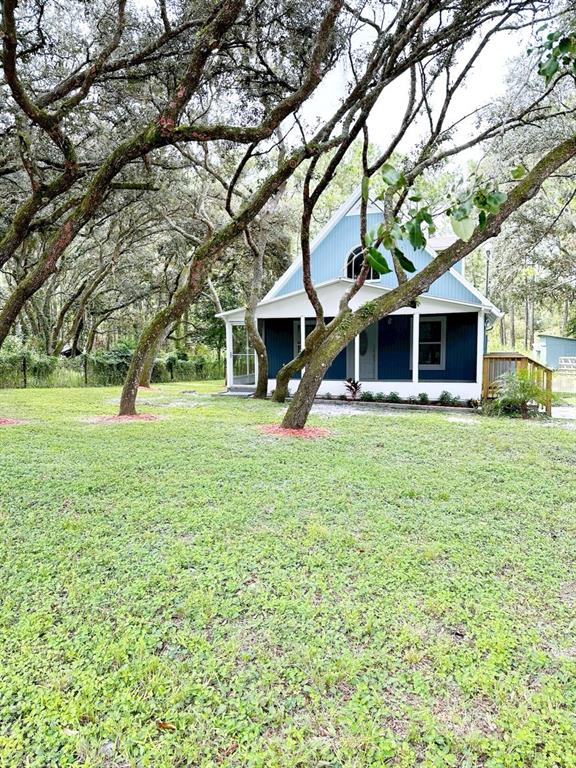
point(306, 432)
point(121, 419)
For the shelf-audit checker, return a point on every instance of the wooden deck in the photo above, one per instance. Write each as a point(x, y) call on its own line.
point(498, 363)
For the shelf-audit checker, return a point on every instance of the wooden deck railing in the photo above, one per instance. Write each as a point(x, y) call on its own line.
point(498, 363)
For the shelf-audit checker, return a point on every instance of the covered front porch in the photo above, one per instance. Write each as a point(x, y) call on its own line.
point(436, 346)
point(408, 352)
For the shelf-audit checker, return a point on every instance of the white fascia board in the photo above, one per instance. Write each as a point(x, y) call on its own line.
point(434, 303)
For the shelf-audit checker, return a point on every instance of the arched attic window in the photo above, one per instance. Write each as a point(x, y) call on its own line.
point(354, 265)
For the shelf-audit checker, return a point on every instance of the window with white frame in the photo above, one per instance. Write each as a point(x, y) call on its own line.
point(432, 343)
point(354, 265)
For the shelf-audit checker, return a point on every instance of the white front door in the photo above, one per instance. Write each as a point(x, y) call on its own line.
point(369, 353)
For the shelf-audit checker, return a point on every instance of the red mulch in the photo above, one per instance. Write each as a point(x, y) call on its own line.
point(306, 432)
point(112, 419)
point(10, 422)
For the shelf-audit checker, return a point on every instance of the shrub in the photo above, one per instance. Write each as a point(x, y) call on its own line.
point(380, 397)
point(518, 395)
point(423, 398)
point(353, 388)
point(393, 397)
point(342, 397)
point(367, 397)
point(447, 398)
point(327, 396)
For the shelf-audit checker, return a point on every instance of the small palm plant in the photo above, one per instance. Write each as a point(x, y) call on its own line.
point(353, 388)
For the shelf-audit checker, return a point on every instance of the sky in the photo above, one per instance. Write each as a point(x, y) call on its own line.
point(484, 83)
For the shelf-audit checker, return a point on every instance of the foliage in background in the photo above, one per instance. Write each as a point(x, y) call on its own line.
point(27, 368)
point(518, 395)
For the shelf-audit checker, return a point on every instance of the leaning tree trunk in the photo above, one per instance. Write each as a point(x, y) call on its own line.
point(148, 344)
point(148, 366)
point(321, 355)
point(303, 400)
point(257, 342)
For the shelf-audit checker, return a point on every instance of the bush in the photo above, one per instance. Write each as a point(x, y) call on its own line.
point(518, 395)
point(447, 398)
point(353, 388)
point(423, 398)
point(367, 397)
point(393, 397)
point(380, 397)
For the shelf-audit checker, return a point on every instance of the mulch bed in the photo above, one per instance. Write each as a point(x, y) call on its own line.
point(10, 422)
point(121, 419)
point(306, 432)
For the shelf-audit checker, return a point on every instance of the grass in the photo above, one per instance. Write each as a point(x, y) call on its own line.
point(190, 592)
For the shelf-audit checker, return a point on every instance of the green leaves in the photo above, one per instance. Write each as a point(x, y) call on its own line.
point(558, 53)
point(548, 69)
point(377, 261)
point(415, 234)
point(405, 262)
point(392, 176)
point(463, 228)
point(519, 172)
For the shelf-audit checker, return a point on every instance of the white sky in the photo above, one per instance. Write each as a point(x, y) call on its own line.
point(484, 83)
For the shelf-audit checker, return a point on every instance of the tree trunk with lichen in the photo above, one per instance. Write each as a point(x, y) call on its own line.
point(257, 342)
point(149, 344)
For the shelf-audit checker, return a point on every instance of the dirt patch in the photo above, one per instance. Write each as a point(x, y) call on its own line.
point(4, 422)
point(463, 420)
point(568, 594)
point(306, 432)
point(121, 419)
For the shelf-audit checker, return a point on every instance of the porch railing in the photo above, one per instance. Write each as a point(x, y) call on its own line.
point(498, 363)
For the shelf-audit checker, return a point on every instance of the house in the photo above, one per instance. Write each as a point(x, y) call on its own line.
point(551, 348)
point(438, 345)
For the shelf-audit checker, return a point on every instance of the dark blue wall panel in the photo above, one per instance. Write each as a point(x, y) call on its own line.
point(461, 342)
point(279, 338)
point(394, 333)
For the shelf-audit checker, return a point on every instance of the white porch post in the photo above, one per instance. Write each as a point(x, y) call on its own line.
point(415, 344)
point(229, 349)
point(357, 357)
point(302, 338)
point(480, 348)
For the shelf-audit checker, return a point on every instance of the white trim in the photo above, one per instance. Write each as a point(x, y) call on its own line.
point(370, 284)
point(480, 348)
point(229, 371)
point(415, 345)
point(465, 390)
point(441, 366)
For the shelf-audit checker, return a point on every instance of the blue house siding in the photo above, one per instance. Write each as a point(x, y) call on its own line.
point(279, 339)
point(555, 347)
point(394, 334)
point(328, 262)
point(461, 342)
point(394, 349)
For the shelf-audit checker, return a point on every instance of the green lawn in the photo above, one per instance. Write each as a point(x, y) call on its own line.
point(190, 592)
